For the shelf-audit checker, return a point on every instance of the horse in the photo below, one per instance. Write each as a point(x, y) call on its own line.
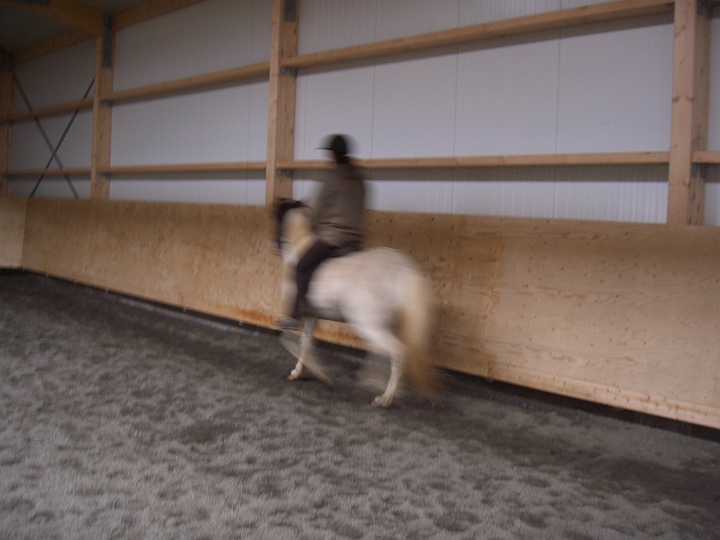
point(380, 292)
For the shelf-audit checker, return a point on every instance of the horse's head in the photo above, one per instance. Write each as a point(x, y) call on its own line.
point(282, 207)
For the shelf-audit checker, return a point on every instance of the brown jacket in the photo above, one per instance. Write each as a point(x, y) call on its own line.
point(337, 215)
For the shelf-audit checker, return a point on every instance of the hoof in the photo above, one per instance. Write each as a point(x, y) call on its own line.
point(295, 374)
point(381, 401)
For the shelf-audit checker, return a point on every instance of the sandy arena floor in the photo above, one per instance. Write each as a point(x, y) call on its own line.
point(118, 420)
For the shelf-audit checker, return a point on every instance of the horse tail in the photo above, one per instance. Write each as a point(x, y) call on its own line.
point(414, 331)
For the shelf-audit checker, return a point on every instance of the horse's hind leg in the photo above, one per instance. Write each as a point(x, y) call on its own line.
point(382, 341)
point(386, 398)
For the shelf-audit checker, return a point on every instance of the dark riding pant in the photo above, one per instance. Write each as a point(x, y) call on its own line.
point(309, 262)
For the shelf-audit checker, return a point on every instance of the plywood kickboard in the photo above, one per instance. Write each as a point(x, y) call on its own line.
point(12, 231)
point(621, 314)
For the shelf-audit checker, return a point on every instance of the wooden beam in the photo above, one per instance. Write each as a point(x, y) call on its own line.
point(189, 84)
point(54, 110)
point(6, 96)
point(531, 160)
point(186, 168)
point(123, 19)
point(539, 160)
point(706, 157)
point(50, 46)
point(688, 133)
point(149, 10)
point(76, 15)
point(281, 110)
point(102, 121)
point(553, 20)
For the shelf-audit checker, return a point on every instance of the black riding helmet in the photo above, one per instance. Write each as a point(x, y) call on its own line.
point(338, 144)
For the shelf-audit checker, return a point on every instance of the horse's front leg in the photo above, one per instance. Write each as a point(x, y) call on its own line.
point(304, 350)
point(288, 289)
point(297, 372)
point(307, 358)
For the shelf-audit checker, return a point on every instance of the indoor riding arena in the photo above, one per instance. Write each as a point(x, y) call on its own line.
point(553, 168)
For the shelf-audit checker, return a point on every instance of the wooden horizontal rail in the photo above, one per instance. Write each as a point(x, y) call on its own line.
point(554, 20)
point(238, 166)
point(709, 157)
point(148, 10)
point(53, 110)
point(189, 84)
point(71, 13)
point(71, 171)
point(531, 160)
point(128, 17)
point(46, 47)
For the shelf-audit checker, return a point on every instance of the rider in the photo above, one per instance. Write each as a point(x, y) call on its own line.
point(337, 220)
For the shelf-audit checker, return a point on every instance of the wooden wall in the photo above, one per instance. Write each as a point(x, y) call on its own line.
point(622, 314)
point(210, 258)
point(12, 225)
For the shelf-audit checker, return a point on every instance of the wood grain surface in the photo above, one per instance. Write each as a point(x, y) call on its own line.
point(618, 313)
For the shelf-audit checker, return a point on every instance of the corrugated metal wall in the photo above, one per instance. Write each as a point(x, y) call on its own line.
point(598, 89)
point(228, 124)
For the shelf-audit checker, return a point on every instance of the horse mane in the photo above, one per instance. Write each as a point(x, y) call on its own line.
point(282, 207)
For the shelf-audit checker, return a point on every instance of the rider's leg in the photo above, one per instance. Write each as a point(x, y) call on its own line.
point(317, 253)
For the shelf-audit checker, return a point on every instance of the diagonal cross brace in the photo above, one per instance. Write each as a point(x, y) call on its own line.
point(56, 148)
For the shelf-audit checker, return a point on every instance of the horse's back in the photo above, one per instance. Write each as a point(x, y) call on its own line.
point(372, 264)
point(373, 278)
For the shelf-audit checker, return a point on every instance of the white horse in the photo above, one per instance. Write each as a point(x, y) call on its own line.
point(380, 292)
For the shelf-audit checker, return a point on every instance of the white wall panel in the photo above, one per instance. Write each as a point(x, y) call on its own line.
point(195, 128)
point(243, 190)
point(30, 151)
point(411, 191)
point(414, 107)
point(714, 117)
point(612, 201)
point(507, 97)
point(304, 187)
point(59, 77)
point(591, 89)
point(417, 196)
point(51, 187)
point(517, 192)
point(482, 11)
point(257, 126)
point(76, 148)
point(205, 37)
point(334, 102)
point(333, 24)
point(623, 193)
point(615, 88)
point(712, 196)
point(400, 18)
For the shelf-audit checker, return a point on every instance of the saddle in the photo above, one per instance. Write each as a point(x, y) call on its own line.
point(346, 249)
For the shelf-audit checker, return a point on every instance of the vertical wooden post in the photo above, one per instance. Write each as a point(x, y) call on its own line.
point(6, 96)
point(281, 110)
point(102, 112)
point(691, 89)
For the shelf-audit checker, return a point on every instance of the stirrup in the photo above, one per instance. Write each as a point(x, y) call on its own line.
point(289, 323)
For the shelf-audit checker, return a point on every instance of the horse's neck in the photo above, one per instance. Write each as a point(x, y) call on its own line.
point(301, 235)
